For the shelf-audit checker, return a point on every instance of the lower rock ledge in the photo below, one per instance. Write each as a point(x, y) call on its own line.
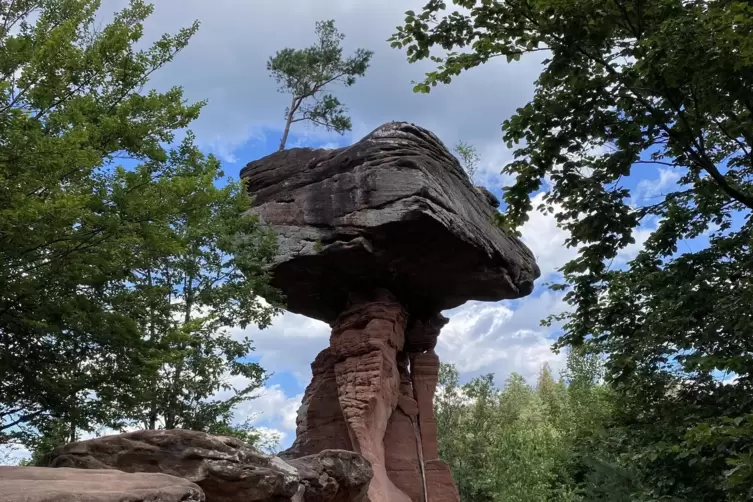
point(43, 484)
point(224, 468)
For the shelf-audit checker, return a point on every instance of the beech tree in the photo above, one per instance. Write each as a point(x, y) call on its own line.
point(204, 275)
point(92, 202)
point(629, 86)
point(306, 74)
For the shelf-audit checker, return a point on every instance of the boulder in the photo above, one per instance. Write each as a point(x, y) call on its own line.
point(334, 476)
point(225, 468)
point(41, 484)
point(395, 211)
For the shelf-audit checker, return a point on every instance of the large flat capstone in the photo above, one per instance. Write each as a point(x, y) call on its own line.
point(395, 211)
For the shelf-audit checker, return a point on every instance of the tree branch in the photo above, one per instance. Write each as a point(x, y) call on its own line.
point(22, 419)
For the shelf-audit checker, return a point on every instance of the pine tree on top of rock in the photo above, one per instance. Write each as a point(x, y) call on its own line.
point(305, 73)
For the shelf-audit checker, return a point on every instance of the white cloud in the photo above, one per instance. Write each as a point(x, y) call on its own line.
point(270, 439)
point(226, 64)
point(494, 157)
point(648, 189)
point(272, 406)
point(631, 250)
point(289, 344)
point(547, 241)
point(269, 407)
point(494, 338)
point(11, 454)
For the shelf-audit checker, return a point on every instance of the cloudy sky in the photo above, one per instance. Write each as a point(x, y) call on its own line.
point(225, 63)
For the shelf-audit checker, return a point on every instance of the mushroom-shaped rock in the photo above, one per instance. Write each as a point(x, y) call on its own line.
point(377, 239)
point(394, 210)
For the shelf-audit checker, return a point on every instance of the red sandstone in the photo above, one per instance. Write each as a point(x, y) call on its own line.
point(369, 394)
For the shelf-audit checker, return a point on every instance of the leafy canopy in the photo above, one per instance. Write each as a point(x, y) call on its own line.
point(629, 86)
point(69, 106)
point(528, 443)
point(206, 274)
point(81, 231)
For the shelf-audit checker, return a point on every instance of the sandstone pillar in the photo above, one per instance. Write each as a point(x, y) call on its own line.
point(402, 439)
point(365, 340)
point(424, 369)
point(320, 424)
point(372, 392)
point(425, 373)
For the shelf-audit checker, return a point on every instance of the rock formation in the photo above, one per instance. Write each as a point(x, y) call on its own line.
point(224, 468)
point(333, 476)
point(377, 239)
point(39, 484)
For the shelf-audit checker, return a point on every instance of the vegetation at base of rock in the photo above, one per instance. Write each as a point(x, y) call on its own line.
point(526, 443)
point(306, 74)
point(626, 84)
point(122, 259)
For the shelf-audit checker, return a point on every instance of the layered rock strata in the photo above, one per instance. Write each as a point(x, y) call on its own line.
point(39, 484)
point(372, 392)
point(333, 476)
point(377, 239)
point(395, 211)
point(224, 468)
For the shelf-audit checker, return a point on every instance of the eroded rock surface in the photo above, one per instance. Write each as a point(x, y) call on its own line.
point(373, 395)
point(320, 424)
point(334, 476)
point(224, 468)
point(377, 239)
point(366, 339)
point(42, 484)
point(394, 210)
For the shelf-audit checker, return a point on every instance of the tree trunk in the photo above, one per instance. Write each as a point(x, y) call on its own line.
point(288, 121)
point(171, 410)
point(152, 424)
